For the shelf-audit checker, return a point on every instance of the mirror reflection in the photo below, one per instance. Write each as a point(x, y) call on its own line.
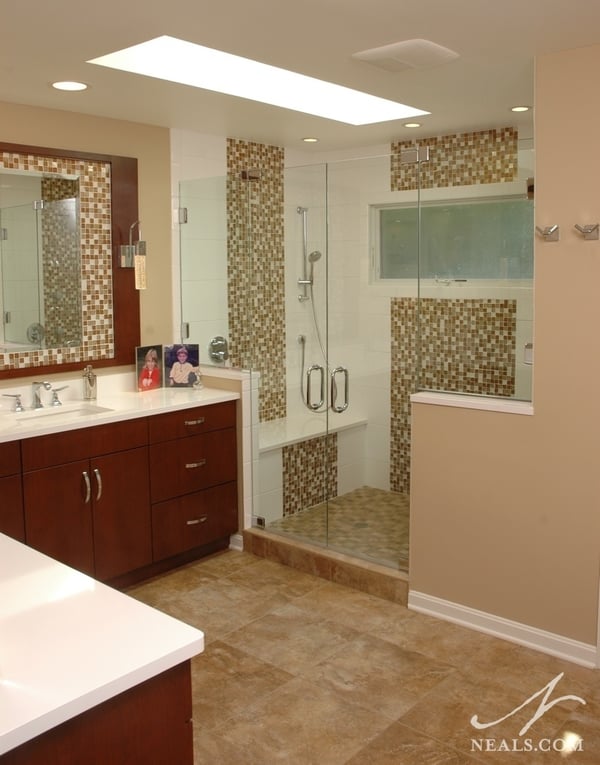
point(40, 264)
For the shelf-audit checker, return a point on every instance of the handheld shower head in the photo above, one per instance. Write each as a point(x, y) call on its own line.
point(312, 259)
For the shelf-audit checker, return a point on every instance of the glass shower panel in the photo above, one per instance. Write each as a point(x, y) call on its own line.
point(203, 262)
point(295, 451)
point(476, 287)
point(368, 513)
point(20, 250)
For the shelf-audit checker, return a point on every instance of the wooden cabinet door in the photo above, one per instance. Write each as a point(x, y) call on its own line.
point(58, 516)
point(121, 512)
point(11, 508)
point(11, 495)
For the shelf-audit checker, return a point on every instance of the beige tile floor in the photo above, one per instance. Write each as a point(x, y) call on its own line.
point(302, 671)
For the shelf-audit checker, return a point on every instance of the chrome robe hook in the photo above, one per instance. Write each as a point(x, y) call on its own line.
point(589, 231)
point(550, 233)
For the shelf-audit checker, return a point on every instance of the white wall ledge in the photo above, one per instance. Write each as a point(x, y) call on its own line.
point(485, 403)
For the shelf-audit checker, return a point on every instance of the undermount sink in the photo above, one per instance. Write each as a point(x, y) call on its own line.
point(80, 410)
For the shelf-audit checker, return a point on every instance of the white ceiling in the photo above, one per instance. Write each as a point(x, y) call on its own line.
point(496, 40)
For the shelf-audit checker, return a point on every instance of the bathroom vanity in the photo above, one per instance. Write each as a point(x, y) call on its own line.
point(88, 674)
point(125, 490)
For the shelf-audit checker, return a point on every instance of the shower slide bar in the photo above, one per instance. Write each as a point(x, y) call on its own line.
point(316, 405)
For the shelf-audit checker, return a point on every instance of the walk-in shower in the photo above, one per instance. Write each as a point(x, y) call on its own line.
point(324, 303)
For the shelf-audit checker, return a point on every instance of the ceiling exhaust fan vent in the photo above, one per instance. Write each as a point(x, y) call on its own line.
point(408, 54)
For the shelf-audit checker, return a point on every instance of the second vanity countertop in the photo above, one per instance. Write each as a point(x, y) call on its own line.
point(68, 643)
point(109, 407)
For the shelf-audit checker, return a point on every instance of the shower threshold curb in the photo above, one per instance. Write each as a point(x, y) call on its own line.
point(372, 578)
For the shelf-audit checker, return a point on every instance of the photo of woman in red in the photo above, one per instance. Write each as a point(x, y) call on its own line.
point(149, 376)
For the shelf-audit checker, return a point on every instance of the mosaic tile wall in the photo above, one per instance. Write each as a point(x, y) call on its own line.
point(60, 262)
point(255, 269)
point(96, 257)
point(465, 346)
point(489, 156)
point(309, 473)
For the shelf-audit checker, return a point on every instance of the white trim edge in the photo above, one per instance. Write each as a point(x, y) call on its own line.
point(515, 632)
point(236, 542)
point(464, 401)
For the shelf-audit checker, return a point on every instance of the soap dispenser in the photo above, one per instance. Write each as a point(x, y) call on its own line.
point(89, 384)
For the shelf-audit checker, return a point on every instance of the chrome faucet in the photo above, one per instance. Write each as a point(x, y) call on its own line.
point(35, 390)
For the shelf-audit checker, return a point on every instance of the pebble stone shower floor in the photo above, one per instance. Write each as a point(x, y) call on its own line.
point(368, 523)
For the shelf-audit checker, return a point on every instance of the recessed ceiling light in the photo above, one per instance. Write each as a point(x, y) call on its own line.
point(186, 63)
point(412, 124)
point(519, 109)
point(310, 140)
point(69, 85)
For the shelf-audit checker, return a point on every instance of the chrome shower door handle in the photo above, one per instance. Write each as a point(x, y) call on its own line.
point(334, 406)
point(309, 372)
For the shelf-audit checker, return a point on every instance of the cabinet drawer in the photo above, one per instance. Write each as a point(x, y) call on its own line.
point(189, 422)
point(191, 464)
point(10, 458)
point(194, 520)
point(72, 445)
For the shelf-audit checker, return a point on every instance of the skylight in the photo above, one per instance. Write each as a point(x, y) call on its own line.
point(174, 60)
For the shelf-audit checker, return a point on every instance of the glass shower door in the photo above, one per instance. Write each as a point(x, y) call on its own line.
point(20, 251)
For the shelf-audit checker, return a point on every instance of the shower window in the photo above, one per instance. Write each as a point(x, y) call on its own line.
point(468, 239)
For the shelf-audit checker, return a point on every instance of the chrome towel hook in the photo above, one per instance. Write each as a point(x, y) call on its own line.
point(550, 233)
point(589, 231)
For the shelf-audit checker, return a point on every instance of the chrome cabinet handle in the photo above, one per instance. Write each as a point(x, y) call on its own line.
point(334, 405)
point(193, 465)
point(99, 482)
point(191, 423)
point(196, 521)
point(309, 372)
point(88, 487)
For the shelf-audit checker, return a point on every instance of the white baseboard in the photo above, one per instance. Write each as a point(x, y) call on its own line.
point(523, 634)
point(236, 542)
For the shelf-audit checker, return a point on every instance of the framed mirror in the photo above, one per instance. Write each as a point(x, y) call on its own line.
point(65, 300)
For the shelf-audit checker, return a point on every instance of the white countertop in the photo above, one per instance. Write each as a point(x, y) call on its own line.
point(109, 407)
point(68, 643)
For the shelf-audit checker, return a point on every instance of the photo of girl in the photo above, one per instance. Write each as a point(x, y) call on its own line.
point(181, 366)
point(149, 367)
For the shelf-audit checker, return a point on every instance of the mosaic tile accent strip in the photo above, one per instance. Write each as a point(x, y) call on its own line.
point(369, 523)
point(309, 473)
point(255, 266)
point(60, 262)
point(462, 346)
point(461, 159)
point(96, 260)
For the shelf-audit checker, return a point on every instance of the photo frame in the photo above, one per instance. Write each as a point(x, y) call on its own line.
point(149, 367)
point(182, 365)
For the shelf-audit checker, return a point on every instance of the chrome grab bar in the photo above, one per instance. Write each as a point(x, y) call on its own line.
point(309, 372)
point(334, 406)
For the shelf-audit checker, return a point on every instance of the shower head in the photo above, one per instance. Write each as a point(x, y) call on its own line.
point(314, 256)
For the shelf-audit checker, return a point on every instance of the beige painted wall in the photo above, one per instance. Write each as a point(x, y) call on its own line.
point(505, 514)
point(150, 145)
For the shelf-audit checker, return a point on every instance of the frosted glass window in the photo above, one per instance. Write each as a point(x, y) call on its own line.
point(483, 239)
